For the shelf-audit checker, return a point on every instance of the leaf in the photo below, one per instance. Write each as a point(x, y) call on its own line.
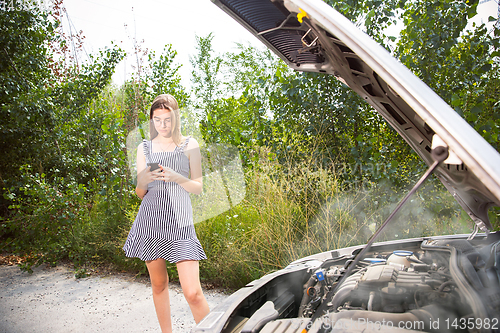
point(486, 68)
point(476, 109)
point(459, 111)
point(471, 12)
point(368, 20)
point(142, 117)
point(455, 100)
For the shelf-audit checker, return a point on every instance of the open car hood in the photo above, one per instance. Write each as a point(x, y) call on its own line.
point(326, 42)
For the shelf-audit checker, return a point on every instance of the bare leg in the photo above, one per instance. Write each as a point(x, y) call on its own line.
point(189, 276)
point(159, 283)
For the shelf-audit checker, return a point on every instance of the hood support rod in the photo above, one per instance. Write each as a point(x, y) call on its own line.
point(439, 154)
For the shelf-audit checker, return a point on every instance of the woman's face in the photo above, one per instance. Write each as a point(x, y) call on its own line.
point(162, 121)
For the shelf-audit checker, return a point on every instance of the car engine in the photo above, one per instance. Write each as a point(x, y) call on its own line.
point(443, 286)
point(439, 284)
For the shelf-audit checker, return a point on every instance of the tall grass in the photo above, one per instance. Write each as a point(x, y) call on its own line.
point(292, 210)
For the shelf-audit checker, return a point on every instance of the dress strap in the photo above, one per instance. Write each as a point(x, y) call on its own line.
point(146, 147)
point(185, 143)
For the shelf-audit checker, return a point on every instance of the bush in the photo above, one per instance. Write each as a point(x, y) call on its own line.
point(295, 210)
point(44, 217)
point(290, 211)
point(58, 219)
point(286, 215)
point(99, 241)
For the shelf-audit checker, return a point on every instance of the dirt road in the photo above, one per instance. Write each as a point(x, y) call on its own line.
point(52, 300)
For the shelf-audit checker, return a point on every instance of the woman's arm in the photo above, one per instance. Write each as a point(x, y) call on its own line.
point(144, 175)
point(195, 184)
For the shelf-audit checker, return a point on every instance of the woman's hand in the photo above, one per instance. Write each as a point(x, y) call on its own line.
point(170, 175)
point(147, 176)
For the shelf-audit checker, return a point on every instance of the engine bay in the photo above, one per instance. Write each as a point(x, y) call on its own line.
point(445, 285)
point(441, 285)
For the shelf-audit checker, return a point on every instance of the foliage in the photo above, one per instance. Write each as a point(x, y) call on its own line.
point(36, 103)
point(162, 76)
point(252, 83)
point(459, 63)
point(54, 141)
point(294, 209)
point(159, 76)
point(293, 113)
point(100, 239)
point(25, 110)
point(205, 77)
point(372, 16)
point(46, 215)
point(232, 105)
point(93, 177)
point(322, 169)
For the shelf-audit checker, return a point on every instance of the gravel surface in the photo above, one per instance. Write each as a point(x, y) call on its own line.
point(52, 300)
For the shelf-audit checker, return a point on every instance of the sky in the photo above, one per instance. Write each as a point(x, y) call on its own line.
point(156, 23)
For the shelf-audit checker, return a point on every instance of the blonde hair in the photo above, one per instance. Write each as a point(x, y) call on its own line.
point(167, 102)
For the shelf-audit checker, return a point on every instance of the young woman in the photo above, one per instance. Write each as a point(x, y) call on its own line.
point(163, 229)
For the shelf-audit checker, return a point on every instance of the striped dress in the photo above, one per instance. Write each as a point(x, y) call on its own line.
point(163, 227)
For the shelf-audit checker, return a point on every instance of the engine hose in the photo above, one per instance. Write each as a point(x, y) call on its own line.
point(446, 284)
point(306, 298)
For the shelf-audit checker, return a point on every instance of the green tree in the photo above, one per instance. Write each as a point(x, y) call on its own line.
point(207, 89)
point(205, 78)
point(37, 101)
point(459, 63)
point(372, 16)
point(251, 84)
point(162, 76)
point(231, 91)
point(26, 101)
point(53, 138)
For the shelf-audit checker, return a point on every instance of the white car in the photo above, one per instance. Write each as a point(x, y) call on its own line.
point(430, 284)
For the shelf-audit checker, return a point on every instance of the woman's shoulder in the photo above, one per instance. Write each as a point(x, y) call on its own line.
point(142, 145)
point(191, 142)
